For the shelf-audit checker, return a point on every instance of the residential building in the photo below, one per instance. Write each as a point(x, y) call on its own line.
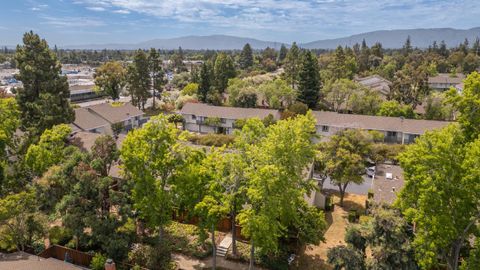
point(376, 83)
point(395, 129)
point(443, 81)
point(23, 261)
point(99, 118)
point(387, 182)
point(196, 117)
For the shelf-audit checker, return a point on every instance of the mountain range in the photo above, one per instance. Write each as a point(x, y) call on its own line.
point(421, 38)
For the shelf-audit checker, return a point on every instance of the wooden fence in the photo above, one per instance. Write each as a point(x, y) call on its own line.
point(59, 252)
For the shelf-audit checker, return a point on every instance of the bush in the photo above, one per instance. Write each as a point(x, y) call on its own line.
point(188, 239)
point(155, 258)
point(211, 139)
point(98, 262)
point(352, 216)
point(59, 235)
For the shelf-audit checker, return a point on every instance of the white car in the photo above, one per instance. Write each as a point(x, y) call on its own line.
point(370, 171)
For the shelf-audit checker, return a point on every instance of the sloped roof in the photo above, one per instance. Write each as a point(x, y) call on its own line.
point(447, 78)
point(86, 120)
point(114, 114)
point(397, 124)
point(24, 261)
point(200, 109)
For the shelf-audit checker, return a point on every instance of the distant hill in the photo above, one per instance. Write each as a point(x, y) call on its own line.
point(421, 38)
point(213, 42)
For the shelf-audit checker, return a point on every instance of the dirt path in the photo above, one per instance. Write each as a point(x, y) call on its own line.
point(315, 256)
point(187, 263)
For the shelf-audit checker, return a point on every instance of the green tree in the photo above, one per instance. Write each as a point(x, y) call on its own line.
point(104, 154)
point(205, 83)
point(138, 79)
point(277, 94)
point(441, 194)
point(20, 225)
point(246, 57)
point(345, 153)
point(338, 93)
point(150, 157)
point(9, 122)
point(364, 101)
point(467, 104)
point(157, 74)
point(190, 89)
point(224, 70)
point(292, 65)
point(437, 108)
point(110, 78)
point(347, 258)
point(282, 55)
point(43, 99)
point(309, 80)
point(49, 150)
point(394, 109)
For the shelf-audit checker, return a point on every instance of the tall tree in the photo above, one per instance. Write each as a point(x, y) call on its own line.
point(110, 78)
point(282, 54)
point(407, 47)
point(224, 70)
point(309, 80)
point(43, 99)
point(292, 65)
point(9, 122)
point(205, 83)
point(156, 73)
point(441, 194)
point(138, 78)
point(246, 57)
point(150, 157)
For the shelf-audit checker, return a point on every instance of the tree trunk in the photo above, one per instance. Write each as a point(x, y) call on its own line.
point(252, 255)
point(153, 100)
point(214, 247)
point(160, 234)
point(234, 232)
point(342, 192)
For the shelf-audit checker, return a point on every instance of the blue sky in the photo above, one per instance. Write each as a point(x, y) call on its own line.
point(74, 22)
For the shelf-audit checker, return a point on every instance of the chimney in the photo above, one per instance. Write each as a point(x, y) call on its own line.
point(110, 265)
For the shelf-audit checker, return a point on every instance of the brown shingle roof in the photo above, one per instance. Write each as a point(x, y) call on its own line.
point(87, 120)
point(397, 124)
point(85, 140)
point(447, 78)
point(114, 114)
point(386, 190)
point(200, 109)
point(25, 261)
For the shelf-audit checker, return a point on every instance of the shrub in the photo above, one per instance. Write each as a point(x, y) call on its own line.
point(98, 262)
point(59, 235)
point(211, 139)
point(156, 258)
point(190, 89)
point(352, 216)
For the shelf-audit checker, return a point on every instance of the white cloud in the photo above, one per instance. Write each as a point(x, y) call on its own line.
point(315, 16)
point(39, 7)
point(96, 8)
point(71, 21)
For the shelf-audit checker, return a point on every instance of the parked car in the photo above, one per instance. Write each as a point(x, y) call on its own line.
point(370, 171)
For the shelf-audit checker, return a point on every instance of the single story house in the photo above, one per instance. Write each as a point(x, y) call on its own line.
point(443, 81)
point(23, 261)
point(376, 83)
point(387, 182)
point(99, 118)
point(196, 117)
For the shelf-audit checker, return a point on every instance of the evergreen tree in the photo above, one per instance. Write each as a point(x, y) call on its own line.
point(224, 70)
point(205, 82)
point(246, 57)
point(43, 99)
point(309, 80)
point(292, 65)
point(110, 78)
point(364, 55)
point(407, 47)
point(138, 79)
point(282, 54)
point(156, 72)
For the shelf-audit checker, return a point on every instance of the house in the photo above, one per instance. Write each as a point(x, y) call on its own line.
point(395, 129)
point(204, 118)
point(387, 182)
point(23, 261)
point(99, 118)
point(376, 83)
point(443, 81)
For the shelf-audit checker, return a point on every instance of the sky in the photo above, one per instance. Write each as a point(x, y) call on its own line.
point(78, 22)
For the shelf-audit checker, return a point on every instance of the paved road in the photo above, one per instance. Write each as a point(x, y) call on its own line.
point(361, 189)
